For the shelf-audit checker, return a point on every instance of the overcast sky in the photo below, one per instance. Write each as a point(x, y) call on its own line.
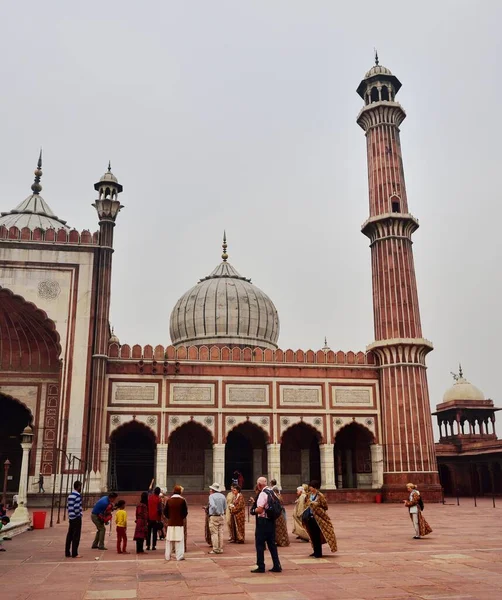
point(241, 115)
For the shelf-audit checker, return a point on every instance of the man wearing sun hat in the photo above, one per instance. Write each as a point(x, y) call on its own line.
point(217, 508)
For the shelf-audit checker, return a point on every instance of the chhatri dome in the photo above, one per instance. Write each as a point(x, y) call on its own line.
point(227, 309)
point(462, 390)
point(34, 211)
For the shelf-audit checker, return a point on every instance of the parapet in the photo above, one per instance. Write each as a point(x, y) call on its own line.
point(53, 236)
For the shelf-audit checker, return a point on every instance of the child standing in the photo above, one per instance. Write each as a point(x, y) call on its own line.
point(3, 522)
point(121, 523)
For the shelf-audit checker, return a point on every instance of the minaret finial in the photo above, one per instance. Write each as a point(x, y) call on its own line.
point(36, 188)
point(460, 372)
point(109, 166)
point(224, 256)
point(376, 57)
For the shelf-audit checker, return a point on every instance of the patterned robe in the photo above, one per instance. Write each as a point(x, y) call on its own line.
point(298, 528)
point(238, 519)
point(423, 526)
point(319, 508)
point(207, 532)
point(228, 515)
point(281, 528)
point(141, 529)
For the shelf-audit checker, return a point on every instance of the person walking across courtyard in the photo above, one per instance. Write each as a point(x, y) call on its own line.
point(141, 521)
point(316, 521)
point(415, 505)
point(265, 529)
point(217, 508)
point(121, 527)
point(176, 512)
point(100, 515)
point(74, 507)
point(154, 518)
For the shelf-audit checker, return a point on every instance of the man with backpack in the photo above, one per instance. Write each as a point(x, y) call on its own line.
point(267, 508)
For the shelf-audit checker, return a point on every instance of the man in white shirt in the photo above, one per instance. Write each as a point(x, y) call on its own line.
point(217, 508)
point(265, 529)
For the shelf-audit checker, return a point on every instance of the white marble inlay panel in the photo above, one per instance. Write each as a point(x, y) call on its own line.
point(295, 395)
point(134, 393)
point(247, 394)
point(352, 396)
point(189, 393)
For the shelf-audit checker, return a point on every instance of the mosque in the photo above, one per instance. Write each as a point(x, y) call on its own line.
point(222, 396)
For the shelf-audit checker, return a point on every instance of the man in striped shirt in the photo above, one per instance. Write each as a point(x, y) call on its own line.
point(74, 506)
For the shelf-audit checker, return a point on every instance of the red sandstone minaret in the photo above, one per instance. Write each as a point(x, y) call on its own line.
point(407, 437)
point(107, 206)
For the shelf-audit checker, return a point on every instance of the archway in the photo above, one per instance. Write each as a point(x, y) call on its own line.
point(300, 456)
point(190, 457)
point(15, 417)
point(132, 457)
point(446, 480)
point(246, 451)
point(353, 457)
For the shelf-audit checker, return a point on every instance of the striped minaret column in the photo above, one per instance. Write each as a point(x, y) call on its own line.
point(407, 437)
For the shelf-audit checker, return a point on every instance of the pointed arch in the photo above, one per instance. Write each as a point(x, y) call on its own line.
point(352, 455)
point(246, 452)
point(300, 454)
point(190, 456)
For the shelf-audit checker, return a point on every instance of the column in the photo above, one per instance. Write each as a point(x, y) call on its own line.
point(376, 466)
point(21, 513)
point(274, 462)
point(327, 466)
point(105, 474)
point(257, 463)
point(219, 464)
point(208, 468)
point(305, 465)
point(161, 465)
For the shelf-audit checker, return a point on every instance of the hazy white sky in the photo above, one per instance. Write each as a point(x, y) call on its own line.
point(241, 115)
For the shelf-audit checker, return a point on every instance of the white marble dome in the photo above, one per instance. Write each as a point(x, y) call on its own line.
point(377, 70)
point(227, 309)
point(463, 390)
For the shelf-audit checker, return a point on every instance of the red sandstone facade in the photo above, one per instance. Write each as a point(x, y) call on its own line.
point(195, 413)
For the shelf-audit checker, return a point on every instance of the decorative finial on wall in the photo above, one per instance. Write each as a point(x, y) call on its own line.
point(376, 57)
point(224, 256)
point(36, 188)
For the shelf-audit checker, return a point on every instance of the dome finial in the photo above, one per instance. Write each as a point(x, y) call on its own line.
point(36, 188)
point(109, 166)
point(458, 377)
point(326, 348)
point(460, 372)
point(224, 256)
point(376, 57)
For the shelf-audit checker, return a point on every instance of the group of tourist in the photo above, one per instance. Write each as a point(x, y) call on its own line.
point(159, 515)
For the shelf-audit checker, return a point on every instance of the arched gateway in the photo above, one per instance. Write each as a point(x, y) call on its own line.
point(132, 457)
point(246, 451)
point(353, 461)
point(190, 457)
point(300, 456)
point(14, 418)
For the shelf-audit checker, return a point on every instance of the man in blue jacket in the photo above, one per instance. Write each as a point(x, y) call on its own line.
point(100, 515)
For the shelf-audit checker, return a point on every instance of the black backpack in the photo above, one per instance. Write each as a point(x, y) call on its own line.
point(274, 510)
point(420, 503)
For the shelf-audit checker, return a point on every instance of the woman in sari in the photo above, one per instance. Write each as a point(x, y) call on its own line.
point(238, 516)
point(317, 522)
point(298, 529)
point(207, 531)
point(140, 532)
point(281, 527)
point(228, 514)
point(413, 503)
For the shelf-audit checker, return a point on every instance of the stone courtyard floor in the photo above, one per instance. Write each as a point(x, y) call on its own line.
point(377, 558)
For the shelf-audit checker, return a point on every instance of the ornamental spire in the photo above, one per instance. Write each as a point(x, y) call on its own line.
point(36, 188)
point(224, 255)
point(376, 57)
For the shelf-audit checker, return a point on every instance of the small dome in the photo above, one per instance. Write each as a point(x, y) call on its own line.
point(225, 308)
point(463, 390)
point(109, 176)
point(377, 70)
point(113, 338)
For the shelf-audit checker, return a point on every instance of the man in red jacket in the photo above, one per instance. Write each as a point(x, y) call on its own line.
point(175, 511)
point(154, 517)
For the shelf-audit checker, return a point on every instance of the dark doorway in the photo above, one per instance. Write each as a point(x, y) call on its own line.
point(300, 456)
point(132, 457)
point(15, 417)
point(446, 480)
point(246, 451)
point(353, 457)
point(190, 457)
